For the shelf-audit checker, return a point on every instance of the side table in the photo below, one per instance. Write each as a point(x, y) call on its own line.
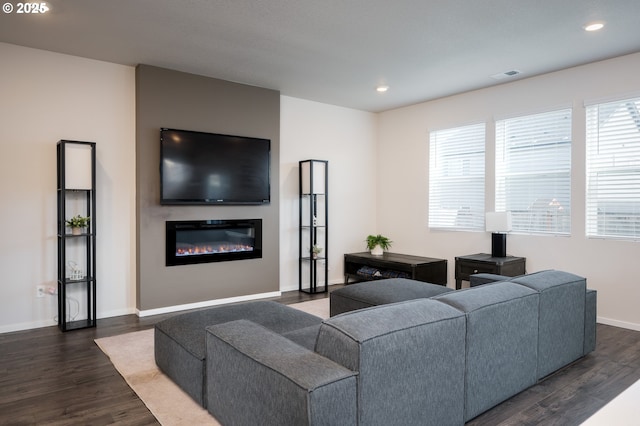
point(480, 263)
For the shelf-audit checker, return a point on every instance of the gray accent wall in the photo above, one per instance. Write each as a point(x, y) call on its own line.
point(173, 99)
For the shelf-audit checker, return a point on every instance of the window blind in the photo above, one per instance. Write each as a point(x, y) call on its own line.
point(533, 172)
point(456, 178)
point(613, 169)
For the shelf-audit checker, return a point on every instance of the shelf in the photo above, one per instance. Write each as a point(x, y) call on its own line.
point(76, 195)
point(80, 324)
point(80, 281)
point(313, 227)
point(314, 290)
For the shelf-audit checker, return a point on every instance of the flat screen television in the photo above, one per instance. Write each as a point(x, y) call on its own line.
point(209, 168)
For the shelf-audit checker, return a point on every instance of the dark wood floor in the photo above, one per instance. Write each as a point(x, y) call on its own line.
point(53, 378)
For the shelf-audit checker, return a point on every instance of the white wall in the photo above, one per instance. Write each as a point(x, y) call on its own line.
point(45, 97)
point(48, 96)
point(346, 138)
point(402, 199)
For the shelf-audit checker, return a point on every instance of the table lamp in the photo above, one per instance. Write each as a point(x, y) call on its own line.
point(499, 223)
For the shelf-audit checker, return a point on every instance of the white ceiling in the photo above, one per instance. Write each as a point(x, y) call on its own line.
point(337, 51)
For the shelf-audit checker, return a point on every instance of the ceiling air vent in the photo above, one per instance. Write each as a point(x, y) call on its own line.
point(506, 74)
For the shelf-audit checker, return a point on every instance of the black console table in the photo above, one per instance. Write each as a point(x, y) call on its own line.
point(425, 269)
point(483, 263)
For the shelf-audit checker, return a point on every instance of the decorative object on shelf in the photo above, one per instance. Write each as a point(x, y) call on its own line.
point(77, 224)
point(313, 226)
point(75, 272)
point(378, 244)
point(499, 223)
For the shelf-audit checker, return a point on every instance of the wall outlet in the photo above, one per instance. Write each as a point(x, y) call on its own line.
point(41, 290)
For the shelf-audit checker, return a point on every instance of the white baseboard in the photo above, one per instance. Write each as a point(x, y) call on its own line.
point(621, 324)
point(206, 303)
point(27, 325)
point(52, 322)
point(116, 313)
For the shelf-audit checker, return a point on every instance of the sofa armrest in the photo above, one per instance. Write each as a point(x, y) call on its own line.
point(257, 376)
point(479, 279)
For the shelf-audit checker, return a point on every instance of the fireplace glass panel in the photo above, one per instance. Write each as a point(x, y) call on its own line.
point(191, 242)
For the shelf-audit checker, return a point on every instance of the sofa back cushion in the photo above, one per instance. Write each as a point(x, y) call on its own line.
point(501, 342)
point(562, 317)
point(410, 360)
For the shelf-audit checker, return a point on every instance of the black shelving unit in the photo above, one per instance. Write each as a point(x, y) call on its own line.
point(76, 252)
point(313, 226)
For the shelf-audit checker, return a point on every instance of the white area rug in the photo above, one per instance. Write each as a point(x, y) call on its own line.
point(132, 355)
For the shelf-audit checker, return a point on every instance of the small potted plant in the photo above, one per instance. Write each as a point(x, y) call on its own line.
point(378, 244)
point(77, 223)
point(315, 251)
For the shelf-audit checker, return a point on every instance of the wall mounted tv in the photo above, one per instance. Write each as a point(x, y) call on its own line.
point(209, 168)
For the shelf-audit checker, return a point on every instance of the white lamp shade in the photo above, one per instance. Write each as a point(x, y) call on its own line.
point(498, 221)
point(77, 165)
point(317, 169)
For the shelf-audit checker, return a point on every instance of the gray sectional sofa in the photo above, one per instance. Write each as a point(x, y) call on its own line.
point(400, 352)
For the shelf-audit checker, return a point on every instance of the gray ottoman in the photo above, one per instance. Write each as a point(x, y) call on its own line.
point(180, 340)
point(381, 292)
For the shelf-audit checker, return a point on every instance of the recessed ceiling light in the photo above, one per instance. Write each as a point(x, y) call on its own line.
point(382, 89)
point(595, 26)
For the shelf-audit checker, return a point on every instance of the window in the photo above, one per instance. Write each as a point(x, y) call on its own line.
point(533, 172)
point(613, 169)
point(456, 178)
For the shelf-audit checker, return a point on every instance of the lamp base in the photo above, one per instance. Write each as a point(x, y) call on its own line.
point(498, 245)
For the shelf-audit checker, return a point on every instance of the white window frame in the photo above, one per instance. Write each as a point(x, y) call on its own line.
point(533, 172)
point(457, 178)
point(613, 169)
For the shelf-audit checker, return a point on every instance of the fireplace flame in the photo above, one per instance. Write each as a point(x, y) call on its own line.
point(209, 249)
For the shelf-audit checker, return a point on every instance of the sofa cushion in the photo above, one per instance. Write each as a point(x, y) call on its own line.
point(562, 317)
point(305, 337)
point(373, 293)
point(501, 342)
point(409, 357)
point(486, 278)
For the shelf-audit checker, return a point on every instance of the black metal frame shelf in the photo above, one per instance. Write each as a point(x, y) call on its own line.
point(84, 242)
point(313, 220)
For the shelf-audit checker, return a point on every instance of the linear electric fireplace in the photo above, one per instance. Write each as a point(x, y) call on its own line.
point(203, 241)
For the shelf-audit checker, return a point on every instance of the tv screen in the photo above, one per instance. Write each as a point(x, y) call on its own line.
point(209, 168)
